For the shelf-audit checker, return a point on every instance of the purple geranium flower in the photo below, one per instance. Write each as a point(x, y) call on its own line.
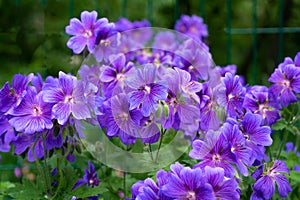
point(146, 90)
point(192, 26)
point(257, 136)
point(182, 102)
point(67, 95)
point(85, 31)
point(257, 101)
point(195, 58)
point(208, 109)
point(231, 95)
point(148, 189)
point(287, 82)
point(165, 41)
point(224, 189)
point(12, 97)
point(7, 134)
point(90, 177)
point(33, 142)
point(116, 73)
point(33, 114)
point(214, 152)
point(264, 187)
point(238, 146)
point(117, 119)
point(187, 183)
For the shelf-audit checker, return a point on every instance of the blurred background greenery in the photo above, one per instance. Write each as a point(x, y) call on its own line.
point(32, 37)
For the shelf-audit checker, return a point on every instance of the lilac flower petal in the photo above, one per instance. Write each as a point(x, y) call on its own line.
point(77, 43)
point(280, 166)
point(79, 183)
point(80, 111)
point(52, 94)
point(108, 74)
point(283, 185)
point(214, 176)
point(191, 177)
point(61, 112)
point(176, 168)
point(297, 59)
point(149, 106)
point(88, 18)
point(175, 187)
point(228, 190)
point(266, 186)
point(295, 84)
point(159, 92)
point(35, 125)
point(75, 27)
point(287, 97)
point(20, 123)
point(262, 136)
point(291, 71)
point(277, 76)
point(135, 99)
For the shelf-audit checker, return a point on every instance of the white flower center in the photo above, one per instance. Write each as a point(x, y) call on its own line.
point(216, 157)
point(191, 195)
point(230, 96)
point(88, 33)
point(105, 43)
point(37, 111)
point(69, 99)
point(147, 89)
point(286, 83)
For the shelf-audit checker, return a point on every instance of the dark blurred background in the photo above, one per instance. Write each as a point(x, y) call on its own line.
point(249, 33)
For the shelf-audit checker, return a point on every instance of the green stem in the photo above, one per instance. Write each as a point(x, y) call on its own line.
point(160, 143)
point(124, 183)
point(282, 142)
point(150, 150)
point(38, 165)
point(47, 176)
point(60, 178)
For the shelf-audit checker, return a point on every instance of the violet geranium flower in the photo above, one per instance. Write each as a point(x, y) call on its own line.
point(264, 188)
point(257, 101)
point(67, 95)
point(214, 152)
point(90, 177)
point(85, 31)
point(12, 97)
point(257, 136)
point(146, 90)
point(192, 26)
point(223, 188)
point(187, 183)
point(231, 95)
point(33, 114)
point(287, 82)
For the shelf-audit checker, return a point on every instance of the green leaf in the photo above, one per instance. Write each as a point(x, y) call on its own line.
point(279, 125)
point(27, 191)
point(6, 185)
point(83, 192)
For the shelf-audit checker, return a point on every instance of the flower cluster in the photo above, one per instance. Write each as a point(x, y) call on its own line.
point(186, 183)
point(143, 83)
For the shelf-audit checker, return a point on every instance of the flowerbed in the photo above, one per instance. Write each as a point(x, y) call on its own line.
point(150, 116)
